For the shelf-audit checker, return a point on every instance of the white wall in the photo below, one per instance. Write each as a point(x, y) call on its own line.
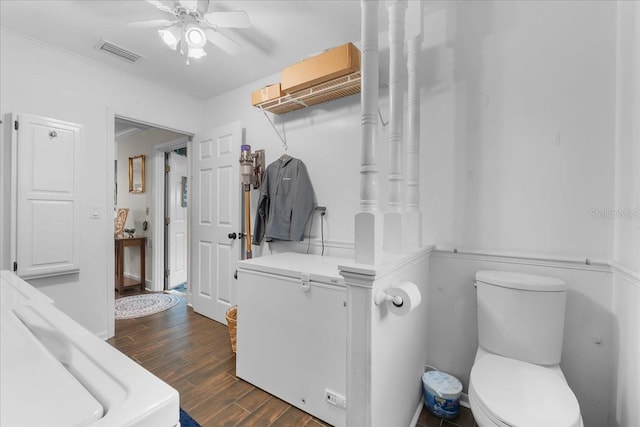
point(40, 80)
point(517, 122)
point(517, 127)
point(625, 216)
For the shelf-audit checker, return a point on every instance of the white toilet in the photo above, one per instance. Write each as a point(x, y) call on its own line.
point(516, 379)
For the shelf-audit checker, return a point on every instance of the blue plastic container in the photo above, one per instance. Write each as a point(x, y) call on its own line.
point(441, 393)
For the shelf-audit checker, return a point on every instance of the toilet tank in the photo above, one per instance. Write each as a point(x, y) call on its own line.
point(521, 316)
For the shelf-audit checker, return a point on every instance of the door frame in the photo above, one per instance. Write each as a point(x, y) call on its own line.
point(111, 116)
point(158, 202)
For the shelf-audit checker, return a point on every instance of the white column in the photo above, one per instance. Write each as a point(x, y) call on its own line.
point(368, 222)
point(393, 221)
point(413, 217)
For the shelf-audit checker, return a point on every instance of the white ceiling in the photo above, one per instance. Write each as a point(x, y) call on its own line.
point(281, 33)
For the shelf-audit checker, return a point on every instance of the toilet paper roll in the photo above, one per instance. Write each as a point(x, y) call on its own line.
point(410, 295)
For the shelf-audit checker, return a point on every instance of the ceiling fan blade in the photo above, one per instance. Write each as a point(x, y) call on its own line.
point(230, 19)
point(222, 41)
point(161, 5)
point(150, 23)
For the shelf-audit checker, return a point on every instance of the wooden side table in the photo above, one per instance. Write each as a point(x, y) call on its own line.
point(124, 282)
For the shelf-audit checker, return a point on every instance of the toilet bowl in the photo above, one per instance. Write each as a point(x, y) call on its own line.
point(508, 392)
point(516, 379)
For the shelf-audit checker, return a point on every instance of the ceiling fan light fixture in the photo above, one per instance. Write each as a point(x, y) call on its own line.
point(189, 4)
point(170, 36)
point(196, 52)
point(195, 36)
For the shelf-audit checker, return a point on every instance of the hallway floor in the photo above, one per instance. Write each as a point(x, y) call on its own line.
point(193, 354)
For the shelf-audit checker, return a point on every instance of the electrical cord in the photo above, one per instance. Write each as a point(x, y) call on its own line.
point(323, 212)
point(322, 230)
point(310, 225)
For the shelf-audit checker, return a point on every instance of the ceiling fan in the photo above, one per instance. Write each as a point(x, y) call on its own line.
point(193, 24)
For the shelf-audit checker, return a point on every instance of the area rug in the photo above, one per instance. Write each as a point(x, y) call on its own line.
point(144, 305)
point(186, 420)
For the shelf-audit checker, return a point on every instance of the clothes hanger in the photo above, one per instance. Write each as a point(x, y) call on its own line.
point(285, 157)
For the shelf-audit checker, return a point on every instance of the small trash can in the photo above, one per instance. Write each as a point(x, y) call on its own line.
point(232, 321)
point(441, 393)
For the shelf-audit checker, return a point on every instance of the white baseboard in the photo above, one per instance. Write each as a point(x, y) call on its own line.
point(416, 415)
point(464, 400)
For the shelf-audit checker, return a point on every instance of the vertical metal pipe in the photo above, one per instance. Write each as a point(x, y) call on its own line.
point(247, 220)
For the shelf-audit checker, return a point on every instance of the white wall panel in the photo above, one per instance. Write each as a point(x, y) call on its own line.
point(81, 91)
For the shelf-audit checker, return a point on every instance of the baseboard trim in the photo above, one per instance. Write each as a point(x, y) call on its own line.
point(464, 400)
point(416, 415)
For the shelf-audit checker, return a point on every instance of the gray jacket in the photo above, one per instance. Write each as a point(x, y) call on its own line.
point(285, 203)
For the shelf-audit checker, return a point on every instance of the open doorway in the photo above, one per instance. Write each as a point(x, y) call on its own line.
point(149, 211)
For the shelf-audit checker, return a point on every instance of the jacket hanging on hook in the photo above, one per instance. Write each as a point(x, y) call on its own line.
point(285, 202)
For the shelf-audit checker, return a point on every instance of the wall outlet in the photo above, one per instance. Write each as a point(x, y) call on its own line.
point(335, 399)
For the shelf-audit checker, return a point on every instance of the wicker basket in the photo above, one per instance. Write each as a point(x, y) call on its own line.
point(232, 321)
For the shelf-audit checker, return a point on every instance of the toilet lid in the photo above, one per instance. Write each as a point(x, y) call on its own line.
point(522, 394)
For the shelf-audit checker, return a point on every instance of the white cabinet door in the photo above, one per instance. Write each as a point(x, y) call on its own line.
point(215, 214)
point(47, 221)
point(177, 229)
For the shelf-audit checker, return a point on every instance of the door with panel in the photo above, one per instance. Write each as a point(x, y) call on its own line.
point(215, 220)
point(177, 227)
point(46, 190)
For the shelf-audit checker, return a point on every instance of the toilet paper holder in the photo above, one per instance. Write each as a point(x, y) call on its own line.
point(384, 296)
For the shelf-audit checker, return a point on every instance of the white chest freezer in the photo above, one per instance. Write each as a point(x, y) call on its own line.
point(291, 336)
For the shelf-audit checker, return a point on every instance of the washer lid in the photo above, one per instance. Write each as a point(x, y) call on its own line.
point(522, 394)
point(523, 281)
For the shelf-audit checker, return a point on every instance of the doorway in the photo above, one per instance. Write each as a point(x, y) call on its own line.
point(176, 220)
point(148, 209)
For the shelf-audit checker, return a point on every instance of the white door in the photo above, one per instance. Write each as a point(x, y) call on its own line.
point(177, 228)
point(46, 187)
point(216, 214)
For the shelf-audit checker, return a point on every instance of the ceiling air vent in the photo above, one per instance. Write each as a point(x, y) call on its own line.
point(118, 51)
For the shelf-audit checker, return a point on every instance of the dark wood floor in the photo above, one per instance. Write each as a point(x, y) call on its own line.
point(193, 354)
